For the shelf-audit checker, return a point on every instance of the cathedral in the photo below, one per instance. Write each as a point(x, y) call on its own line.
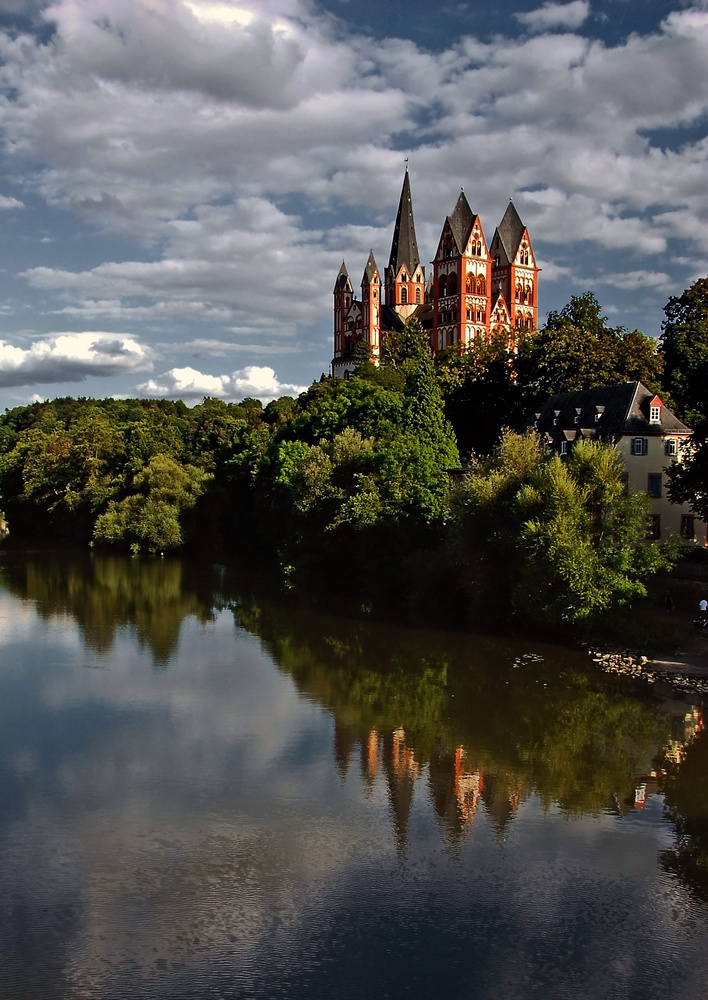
point(475, 290)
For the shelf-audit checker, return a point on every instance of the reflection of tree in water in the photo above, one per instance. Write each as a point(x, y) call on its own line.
point(686, 805)
point(104, 593)
point(491, 723)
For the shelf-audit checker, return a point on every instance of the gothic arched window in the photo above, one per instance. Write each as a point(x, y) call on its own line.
point(452, 286)
point(404, 295)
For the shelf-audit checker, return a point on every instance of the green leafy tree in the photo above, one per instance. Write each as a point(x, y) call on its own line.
point(149, 519)
point(684, 349)
point(578, 350)
point(481, 392)
point(558, 541)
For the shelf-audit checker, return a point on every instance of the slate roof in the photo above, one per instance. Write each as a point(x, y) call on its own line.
point(390, 320)
point(424, 315)
point(343, 282)
point(370, 269)
point(404, 246)
point(623, 408)
point(510, 230)
point(461, 222)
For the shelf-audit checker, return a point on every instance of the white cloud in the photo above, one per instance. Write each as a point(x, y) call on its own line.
point(207, 132)
point(188, 384)
point(72, 357)
point(6, 202)
point(556, 15)
point(638, 280)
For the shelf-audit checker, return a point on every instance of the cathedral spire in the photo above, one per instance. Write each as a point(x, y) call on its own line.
point(404, 246)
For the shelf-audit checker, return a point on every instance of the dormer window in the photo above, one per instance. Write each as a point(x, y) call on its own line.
point(654, 414)
point(577, 415)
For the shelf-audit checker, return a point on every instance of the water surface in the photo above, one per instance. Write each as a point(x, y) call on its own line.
point(209, 792)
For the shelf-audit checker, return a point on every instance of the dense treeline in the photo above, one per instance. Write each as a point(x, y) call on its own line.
point(348, 489)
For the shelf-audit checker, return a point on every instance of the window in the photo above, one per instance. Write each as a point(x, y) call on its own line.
point(654, 527)
point(564, 448)
point(654, 414)
point(688, 529)
point(640, 446)
point(654, 485)
point(670, 447)
point(404, 295)
point(417, 294)
point(469, 285)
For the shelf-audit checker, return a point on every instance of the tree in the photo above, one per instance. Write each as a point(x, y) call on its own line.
point(557, 541)
point(577, 350)
point(481, 392)
point(684, 349)
point(150, 517)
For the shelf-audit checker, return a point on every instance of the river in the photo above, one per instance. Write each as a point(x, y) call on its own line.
point(208, 791)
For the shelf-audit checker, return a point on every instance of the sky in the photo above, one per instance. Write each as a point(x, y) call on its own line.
point(180, 180)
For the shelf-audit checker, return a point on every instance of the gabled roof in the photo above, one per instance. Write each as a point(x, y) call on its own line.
point(390, 320)
point(623, 408)
point(461, 222)
point(370, 270)
point(510, 230)
point(343, 282)
point(423, 314)
point(404, 246)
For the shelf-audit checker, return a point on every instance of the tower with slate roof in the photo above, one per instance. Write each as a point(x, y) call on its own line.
point(405, 277)
point(371, 305)
point(476, 291)
point(461, 280)
point(514, 274)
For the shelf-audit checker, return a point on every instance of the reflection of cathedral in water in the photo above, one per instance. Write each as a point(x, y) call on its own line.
point(685, 728)
point(456, 783)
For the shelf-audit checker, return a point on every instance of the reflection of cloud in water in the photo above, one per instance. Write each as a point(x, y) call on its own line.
point(209, 827)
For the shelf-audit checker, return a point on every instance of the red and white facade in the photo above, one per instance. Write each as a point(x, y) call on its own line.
point(477, 291)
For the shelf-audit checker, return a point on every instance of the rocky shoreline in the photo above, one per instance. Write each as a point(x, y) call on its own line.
point(628, 663)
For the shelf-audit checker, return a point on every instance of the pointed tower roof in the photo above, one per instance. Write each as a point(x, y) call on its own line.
point(343, 282)
point(461, 222)
point(510, 230)
point(370, 270)
point(404, 246)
